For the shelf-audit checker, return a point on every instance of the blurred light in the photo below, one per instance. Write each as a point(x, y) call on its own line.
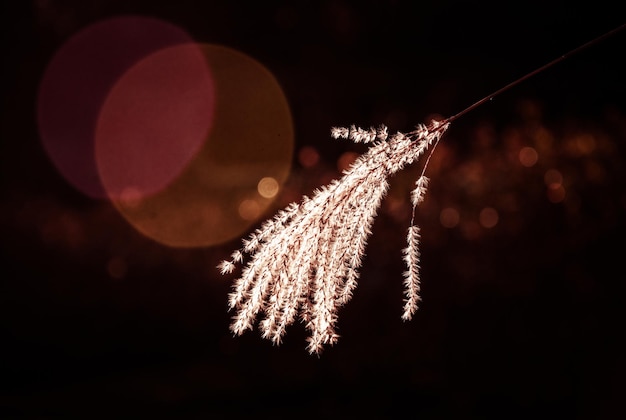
point(449, 217)
point(397, 208)
point(308, 156)
point(268, 187)
point(249, 209)
point(528, 156)
point(580, 145)
point(553, 178)
point(154, 120)
point(117, 268)
point(251, 137)
point(488, 217)
point(471, 176)
point(77, 81)
point(345, 160)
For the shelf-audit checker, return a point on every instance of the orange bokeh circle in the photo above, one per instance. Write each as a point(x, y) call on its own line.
point(250, 138)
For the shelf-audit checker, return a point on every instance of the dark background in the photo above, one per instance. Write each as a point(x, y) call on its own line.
point(520, 319)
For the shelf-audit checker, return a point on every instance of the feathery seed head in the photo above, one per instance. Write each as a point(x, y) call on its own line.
point(226, 267)
point(306, 259)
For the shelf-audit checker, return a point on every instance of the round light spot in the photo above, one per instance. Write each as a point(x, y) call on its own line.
point(214, 199)
point(308, 156)
point(249, 209)
point(488, 217)
point(582, 144)
point(528, 156)
point(553, 178)
point(154, 121)
point(449, 217)
point(268, 187)
point(77, 81)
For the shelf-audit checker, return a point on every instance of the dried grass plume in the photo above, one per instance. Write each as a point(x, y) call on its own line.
point(305, 261)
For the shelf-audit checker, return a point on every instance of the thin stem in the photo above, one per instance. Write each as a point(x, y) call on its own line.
point(539, 70)
point(512, 84)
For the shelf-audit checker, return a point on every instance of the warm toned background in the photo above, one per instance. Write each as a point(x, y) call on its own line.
point(521, 315)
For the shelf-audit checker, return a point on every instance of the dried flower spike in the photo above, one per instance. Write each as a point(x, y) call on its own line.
point(306, 259)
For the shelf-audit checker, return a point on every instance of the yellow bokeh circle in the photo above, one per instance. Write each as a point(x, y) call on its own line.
point(237, 172)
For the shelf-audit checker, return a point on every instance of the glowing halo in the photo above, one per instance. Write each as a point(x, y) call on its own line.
point(78, 79)
point(154, 121)
point(251, 139)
